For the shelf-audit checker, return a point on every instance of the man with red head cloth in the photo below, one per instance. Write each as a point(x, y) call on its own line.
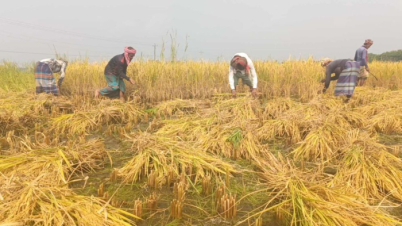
point(241, 67)
point(115, 72)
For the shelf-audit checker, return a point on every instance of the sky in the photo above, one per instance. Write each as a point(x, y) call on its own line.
point(208, 30)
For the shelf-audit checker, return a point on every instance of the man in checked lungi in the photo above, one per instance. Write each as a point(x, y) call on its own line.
point(115, 72)
point(45, 80)
point(241, 67)
point(361, 56)
point(346, 73)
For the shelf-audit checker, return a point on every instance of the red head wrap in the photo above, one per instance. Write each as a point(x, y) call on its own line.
point(127, 51)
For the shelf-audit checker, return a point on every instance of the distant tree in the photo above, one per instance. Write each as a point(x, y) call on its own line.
point(387, 56)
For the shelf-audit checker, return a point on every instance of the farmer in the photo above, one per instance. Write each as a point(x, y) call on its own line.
point(44, 78)
point(361, 56)
point(115, 72)
point(242, 67)
point(346, 72)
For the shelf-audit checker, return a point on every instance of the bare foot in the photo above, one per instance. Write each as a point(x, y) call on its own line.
point(122, 99)
point(97, 93)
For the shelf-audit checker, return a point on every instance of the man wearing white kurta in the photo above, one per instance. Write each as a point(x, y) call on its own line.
point(242, 67)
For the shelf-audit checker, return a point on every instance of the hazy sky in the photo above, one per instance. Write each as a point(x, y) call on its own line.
point(214, 29)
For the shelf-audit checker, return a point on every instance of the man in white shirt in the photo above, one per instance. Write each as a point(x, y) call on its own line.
point(242, 67)
point(45, 80)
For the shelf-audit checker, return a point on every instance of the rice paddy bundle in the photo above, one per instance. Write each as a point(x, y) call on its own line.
point(286, 128)
point(189, 128)
point(216, 134)
point(20, 112)
point(241, 110)
point(276, 107)
point(321, 144)
point(301, 199)
point(162, 155)
point(364, 96)
point(323, 104)
point(369, 169)
point(109, 112)
point(177, 107)
point(51, 165)
point(58, 162)
point(388, 121)
point(41, 202)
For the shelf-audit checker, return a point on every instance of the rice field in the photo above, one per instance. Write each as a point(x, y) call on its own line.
point(181, 151)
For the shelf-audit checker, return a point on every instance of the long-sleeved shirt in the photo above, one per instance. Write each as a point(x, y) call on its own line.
point(361, 56)
point(336, 67)
point(117, 66)
point(57, 66)
point(252, 71)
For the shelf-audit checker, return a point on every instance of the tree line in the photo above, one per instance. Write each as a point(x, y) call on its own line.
point(393, 56)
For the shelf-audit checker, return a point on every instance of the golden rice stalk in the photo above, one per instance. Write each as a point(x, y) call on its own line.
point(186, 128)
point(105, 113)
point(45, 203)
point(321, 144)
point(306, 200)
point(51, 165)
point(238, 110)
point(177, 107)
point(369, 169)
point(57, 163)
point(364, 96)
point(388, 121)
point(277, 107)
point(164, 155)
point(280, 128)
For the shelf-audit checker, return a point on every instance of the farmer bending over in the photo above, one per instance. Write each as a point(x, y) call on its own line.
point(346, 73)
point(361, 56)
point(242, 67)
point(44, 78)
point(115, 72)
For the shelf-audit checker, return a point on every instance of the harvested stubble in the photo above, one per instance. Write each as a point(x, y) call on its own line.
point(163, 155)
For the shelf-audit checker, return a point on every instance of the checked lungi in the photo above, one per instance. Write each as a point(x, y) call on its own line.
point(45, 81)
point(347, 79)
point(115, 85)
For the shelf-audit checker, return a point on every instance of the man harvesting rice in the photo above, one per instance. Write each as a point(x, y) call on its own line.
point(115, 72)
point(241, 67)
point(361, 56)
point(44, 78)
point(346, 72)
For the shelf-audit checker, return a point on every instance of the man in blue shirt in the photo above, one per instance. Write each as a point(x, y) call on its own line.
point(361, 56)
